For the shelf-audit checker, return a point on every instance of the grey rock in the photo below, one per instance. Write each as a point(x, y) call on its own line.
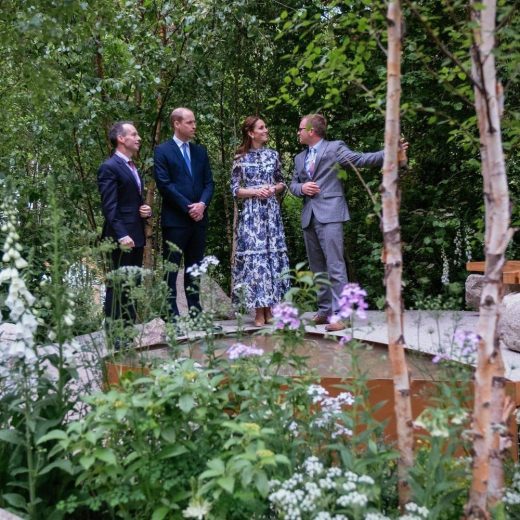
point(151, 334)
point(509, 327)
point(212, 297)
point(474, 284)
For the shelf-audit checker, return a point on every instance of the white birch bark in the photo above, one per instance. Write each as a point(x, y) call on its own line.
point(488, 414)
point(393, 255)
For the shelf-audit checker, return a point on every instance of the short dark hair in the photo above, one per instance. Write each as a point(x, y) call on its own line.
point(318, 123)
point(117, 130)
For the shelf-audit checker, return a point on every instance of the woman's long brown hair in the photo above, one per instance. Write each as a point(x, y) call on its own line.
point(247, 126)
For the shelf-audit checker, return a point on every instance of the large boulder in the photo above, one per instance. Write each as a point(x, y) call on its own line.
point(474, 284)
point(212, 297)
point(510, 321)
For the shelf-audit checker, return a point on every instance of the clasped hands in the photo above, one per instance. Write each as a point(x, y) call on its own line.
point(196, 211)
point(265, 192)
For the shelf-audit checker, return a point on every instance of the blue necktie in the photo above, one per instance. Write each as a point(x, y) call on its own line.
point(186, 156)
point(311, 160)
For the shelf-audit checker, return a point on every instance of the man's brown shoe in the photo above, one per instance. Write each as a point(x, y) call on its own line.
point(334, 327)
point(319, 319)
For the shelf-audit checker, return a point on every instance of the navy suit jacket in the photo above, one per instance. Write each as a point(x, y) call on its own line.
point(120, 201)
point(177, 187)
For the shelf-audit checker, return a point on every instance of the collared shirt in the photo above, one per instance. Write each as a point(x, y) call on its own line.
point(179, 143)
point(128, 160)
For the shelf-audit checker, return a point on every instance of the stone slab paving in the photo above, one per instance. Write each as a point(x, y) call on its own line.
point(430, 332)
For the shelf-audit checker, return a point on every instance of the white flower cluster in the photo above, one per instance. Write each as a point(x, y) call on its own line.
point(414, 512)
point(330, 410)
point(322, 493)
point(512, 494)
point(20, 347)
point(197, 508)
point(131, 274)
point(445, 278)
point(198, 270)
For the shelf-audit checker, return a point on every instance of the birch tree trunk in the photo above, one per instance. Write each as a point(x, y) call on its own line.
point(488, 414)
point(393, 256)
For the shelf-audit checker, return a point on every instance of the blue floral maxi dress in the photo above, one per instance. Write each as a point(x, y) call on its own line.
point(261, 253)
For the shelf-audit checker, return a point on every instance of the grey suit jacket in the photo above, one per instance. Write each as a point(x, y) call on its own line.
point(329, 205)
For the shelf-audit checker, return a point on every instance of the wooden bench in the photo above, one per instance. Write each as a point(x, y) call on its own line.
point(510, 273)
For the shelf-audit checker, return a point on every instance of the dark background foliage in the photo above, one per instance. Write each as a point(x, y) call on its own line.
point(69, 69)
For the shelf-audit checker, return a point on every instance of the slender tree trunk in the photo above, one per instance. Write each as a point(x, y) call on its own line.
point(393, 256)
point(224, 161)
point(488, 415)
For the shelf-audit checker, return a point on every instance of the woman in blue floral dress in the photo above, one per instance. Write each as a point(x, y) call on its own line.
point(260, 263)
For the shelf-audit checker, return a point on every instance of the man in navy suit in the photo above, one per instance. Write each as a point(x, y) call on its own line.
point(184, 179)
point(121, 190)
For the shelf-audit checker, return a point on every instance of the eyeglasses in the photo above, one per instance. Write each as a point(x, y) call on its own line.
point(304, 128)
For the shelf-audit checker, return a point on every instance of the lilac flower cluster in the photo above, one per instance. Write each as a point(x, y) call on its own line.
point(239, 350)
point(468, 342)
point(286, 316)
point(466, 346)
point(352, 299)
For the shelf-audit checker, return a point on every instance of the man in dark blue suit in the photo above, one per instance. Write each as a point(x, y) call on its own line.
point(184, 179)
point(121, 190)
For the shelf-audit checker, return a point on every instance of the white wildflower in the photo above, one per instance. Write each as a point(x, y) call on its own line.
point(197, 508)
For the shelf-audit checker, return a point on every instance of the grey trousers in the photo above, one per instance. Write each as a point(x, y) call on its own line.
point(324, 245)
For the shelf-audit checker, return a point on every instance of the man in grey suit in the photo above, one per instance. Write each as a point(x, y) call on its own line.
point(325, 208)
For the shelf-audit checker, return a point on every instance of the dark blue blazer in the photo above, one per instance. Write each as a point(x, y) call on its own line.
point(120, 201)
point(177, 187)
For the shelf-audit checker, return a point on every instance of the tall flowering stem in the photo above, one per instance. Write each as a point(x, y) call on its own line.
point(393, 255)
point(488, 415)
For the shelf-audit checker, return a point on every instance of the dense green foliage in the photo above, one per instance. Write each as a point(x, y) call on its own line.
point(71, 68)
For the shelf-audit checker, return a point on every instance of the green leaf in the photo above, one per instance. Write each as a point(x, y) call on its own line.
point(227, 484)
point(172, 451)
point(106, 455)
point(217, 465)
point(169, 435)
point(63, 464)
point(87, 460)
point(186, 403)
point(11, 436)
point(262, 483)
point(160, 512)
point(52, 436)
point(15, 500)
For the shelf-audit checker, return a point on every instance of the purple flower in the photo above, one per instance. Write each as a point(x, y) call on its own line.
point(467, 341)
point(352, 299)
point(440, 357)
point(286, 316)
point(345, 339)
point(239, 350)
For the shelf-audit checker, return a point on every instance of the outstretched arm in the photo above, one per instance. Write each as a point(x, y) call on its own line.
point(348, 158)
